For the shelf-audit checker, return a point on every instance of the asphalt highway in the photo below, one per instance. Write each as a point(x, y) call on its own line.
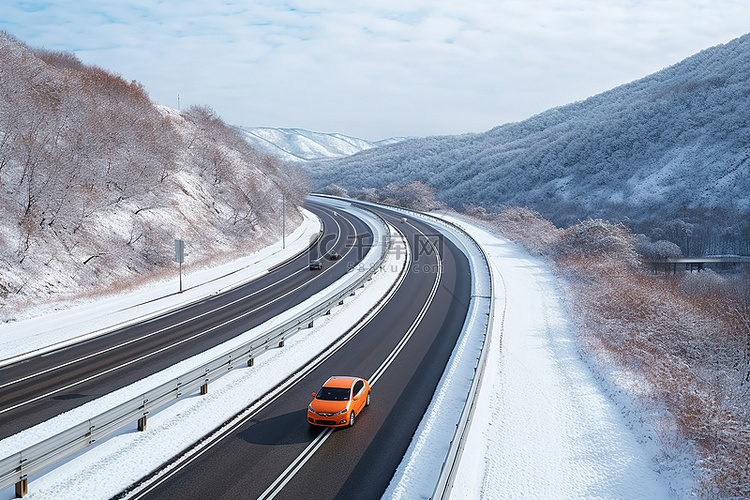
point(39, 388)
point(358, 462)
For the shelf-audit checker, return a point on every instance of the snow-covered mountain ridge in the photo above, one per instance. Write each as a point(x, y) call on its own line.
point(668, 154)
point(296, 144)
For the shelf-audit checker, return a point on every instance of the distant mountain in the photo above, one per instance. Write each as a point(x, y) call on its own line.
point(295, 144)
point(668, 154)
point(96, 182)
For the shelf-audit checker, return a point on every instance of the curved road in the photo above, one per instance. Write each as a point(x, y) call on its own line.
point(355, 462)
point(39, 388)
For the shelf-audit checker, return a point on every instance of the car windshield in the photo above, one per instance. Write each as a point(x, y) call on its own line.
point(333, 394)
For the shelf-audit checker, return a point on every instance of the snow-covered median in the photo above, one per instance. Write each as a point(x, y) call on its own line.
point(114, 464)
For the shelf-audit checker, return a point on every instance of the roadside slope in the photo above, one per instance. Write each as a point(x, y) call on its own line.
point(98, 181)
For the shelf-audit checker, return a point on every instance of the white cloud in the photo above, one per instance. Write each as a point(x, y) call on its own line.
point(378, 69)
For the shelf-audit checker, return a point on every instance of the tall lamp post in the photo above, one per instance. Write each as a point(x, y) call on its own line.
point(283, 220)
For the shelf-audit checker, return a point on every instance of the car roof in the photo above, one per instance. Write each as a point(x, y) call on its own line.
point(340, 381)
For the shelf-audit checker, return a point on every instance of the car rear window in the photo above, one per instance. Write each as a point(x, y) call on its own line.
point(333, 394)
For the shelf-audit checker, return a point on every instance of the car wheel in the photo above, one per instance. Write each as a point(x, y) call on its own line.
point(367, 403)
point(351, 419)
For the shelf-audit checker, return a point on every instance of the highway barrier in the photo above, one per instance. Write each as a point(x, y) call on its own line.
point(18, 467)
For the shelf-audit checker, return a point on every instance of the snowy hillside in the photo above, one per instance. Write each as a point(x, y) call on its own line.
point(295, 144)
point(668, 154)
point(96, 182)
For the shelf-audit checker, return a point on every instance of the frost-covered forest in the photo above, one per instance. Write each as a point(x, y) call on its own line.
point(96, 181)
point(669, 155)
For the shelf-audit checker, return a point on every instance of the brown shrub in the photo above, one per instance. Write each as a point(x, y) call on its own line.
point(60, 59)
point(526, 227)
point(685, 348)
point(598, 238)
point(679, 346)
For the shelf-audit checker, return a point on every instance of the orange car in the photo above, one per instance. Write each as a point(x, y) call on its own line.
point(339, 401)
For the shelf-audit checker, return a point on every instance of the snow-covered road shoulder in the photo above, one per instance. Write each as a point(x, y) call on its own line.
point(544, 427)
point(57, 329)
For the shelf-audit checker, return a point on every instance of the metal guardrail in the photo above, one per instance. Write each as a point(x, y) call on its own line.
point(16, 468)
point(449, 468)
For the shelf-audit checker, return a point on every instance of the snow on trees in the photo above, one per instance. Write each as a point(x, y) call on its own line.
point(670, 147)
point(96, 180)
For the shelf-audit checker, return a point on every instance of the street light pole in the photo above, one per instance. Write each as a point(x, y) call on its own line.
point(283, 220)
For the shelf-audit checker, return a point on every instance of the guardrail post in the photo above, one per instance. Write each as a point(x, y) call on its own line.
point(310, 324)
point(281, 343)
point(204, 389)
point(251, 362)
point(142, 423)
point(22, 487)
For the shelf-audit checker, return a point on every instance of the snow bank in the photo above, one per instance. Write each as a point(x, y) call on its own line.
point(544, 427)
point(56, 329)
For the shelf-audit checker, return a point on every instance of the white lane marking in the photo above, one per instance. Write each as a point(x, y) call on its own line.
point(156, 332)
point(308, 452)
point(396, 350)
point(206, 444)
point(295, 466)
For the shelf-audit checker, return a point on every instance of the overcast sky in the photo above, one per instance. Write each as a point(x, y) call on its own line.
point(380, 68)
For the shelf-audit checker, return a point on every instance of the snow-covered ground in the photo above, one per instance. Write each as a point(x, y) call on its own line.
point(53, 326)
point(117, 462)
point(543, 429)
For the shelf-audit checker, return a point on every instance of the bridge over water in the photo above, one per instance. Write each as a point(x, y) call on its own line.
point(723, 262)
